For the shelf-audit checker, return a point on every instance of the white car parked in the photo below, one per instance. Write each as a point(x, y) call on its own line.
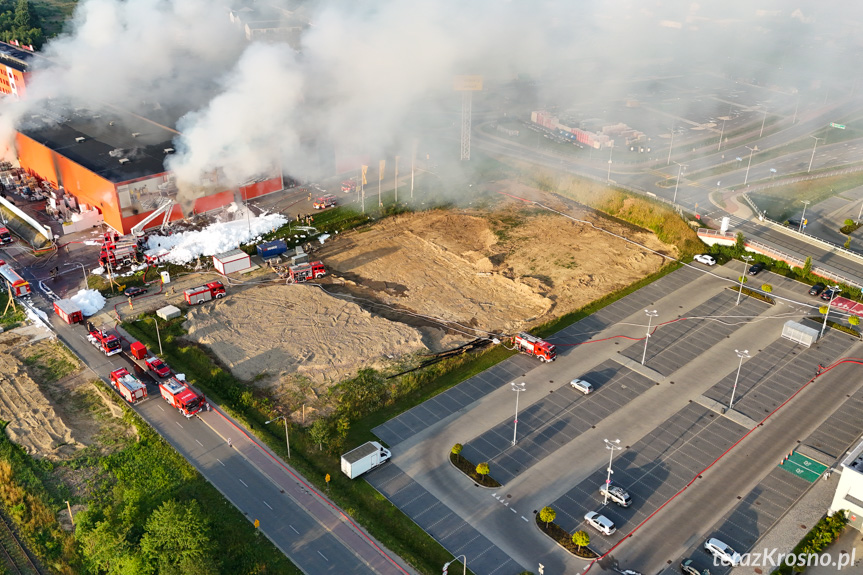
point(705, 259)
point(600, 522)
point(581, 385)
point(722, 551)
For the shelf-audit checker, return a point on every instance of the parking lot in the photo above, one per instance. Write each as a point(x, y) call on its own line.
point(558, 418)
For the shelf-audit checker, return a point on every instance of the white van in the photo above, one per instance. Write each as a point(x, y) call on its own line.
point(582, 386)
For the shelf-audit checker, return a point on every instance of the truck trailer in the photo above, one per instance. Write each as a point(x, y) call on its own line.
point(364, 458)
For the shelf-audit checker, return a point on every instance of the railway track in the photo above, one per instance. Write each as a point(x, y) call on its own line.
point(14, 557)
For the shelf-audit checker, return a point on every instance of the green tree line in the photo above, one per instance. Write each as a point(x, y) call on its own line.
point(18, 21)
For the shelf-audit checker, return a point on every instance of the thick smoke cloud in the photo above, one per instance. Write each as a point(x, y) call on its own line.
point(362, 72)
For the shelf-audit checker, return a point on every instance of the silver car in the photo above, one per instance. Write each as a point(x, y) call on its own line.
point(600, 522)
point(584, 387)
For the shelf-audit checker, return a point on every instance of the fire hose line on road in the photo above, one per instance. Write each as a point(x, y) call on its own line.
point(821, 370)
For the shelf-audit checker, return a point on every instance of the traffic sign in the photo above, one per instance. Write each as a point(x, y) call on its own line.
point(840, 126)
point(257, 523)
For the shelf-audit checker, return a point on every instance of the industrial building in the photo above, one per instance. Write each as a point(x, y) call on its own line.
point(14, 69)
point(849, 491)
point(114, 162)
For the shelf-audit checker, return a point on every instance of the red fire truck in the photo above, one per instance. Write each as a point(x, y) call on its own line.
point(180, 395)
point(324, 202)
point(200, 294)
point(108, 343)
point(349, 186)
point(16, 283)
point(129, 386)
point(526, 343)
point(305, 272)
point(5, 236)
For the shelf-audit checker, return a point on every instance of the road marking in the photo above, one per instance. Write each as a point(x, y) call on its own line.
point(160, 407)
point(525, 518)
point(178, 423)
point(513, 510)
point(295, 531)
point(267, 504)
point(199, 443)
point(324, 556)
point(220, 461)
point(243, 482)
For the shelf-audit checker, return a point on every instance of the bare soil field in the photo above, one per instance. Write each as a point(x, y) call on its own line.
point(432, 280)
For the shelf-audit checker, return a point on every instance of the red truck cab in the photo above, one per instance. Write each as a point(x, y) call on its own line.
point(158, 366)
point(5, 236)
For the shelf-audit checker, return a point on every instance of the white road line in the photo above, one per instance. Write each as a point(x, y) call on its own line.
point(525, 518)
point(324, 556)
point(160, 407)
point(199, 443)
point(243, 482)
point(295, 531)
point(267, 504)
point(220, 461)
point(178, 423)
point(513, 510)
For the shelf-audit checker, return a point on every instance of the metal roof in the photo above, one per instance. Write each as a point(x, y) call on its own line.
point(231, 256)
point(363, 450)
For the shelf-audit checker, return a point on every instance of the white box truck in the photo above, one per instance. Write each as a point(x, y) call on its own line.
point(365, 457)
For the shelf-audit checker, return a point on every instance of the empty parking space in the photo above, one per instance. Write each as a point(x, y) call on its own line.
point(556, 419)
point(441, 406)
point(439, 521)
point(652, 471)
point(674, 345)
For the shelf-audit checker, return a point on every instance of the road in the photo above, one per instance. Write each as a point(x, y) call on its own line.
point(298, 519)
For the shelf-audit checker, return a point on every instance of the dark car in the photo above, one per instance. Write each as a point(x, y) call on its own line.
point(817, 289)
point(756, 267)
point(828, 294)
point(794, 223)
point(134, 291)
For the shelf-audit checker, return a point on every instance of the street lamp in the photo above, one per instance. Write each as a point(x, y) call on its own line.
point(446, 565)
point(813, 153)
point(158, 337)
point(746, 260)
point(287, 437)
point(670, 146)
point(83, 269)
point(722, 131)
point(749, 165)
point(608, 176)
point(803, 217)
point(650, 315)
point(762, 124)
point(744, 354)
point(517, 388)
point(677, 183)
point(834, 290)
point(611, 446)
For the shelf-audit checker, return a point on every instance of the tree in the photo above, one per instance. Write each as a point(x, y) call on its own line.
point(456, 449)
point(822, 310)
point(547, 514)
point(319, 432)
point(177, 539)
point(581, 538)
point(807, 266)
point(854, 320)
point(742, 279)
point(739, 243)
point(849, 222)
point(767, 288)
point(482, 470)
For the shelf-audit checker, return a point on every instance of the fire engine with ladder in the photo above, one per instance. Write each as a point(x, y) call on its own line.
point(532, 345)
point(107, 343)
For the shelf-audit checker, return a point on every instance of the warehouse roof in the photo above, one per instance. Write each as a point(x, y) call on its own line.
point(16, 58)
point(114, 145)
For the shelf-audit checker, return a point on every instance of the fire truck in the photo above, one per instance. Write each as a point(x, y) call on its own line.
point(118, 252)
point(526, 343)
point(16, 283)
point(5, 236)
point(349, 186)
point(129, 386)
point(305, 272)
point(200, 294)
point(180, 395)
point(107, 343)
point(324, 202)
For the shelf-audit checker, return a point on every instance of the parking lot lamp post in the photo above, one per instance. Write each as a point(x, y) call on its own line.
point(608, 176)
point(464, 571)
point(722, 131)
point(651, 313)
point(83, 269)
point(762, 124)
point(517, 388)
point(742, 354)
point(287, 438)
point(749, 165)
point(746, 260)
point(611, 446)
point(812, 159)
point(158, 336)
point(833, 291)
point(671, 145)
point(803, 217)
point(677, 183)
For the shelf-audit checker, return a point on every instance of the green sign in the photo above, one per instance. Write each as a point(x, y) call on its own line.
point(840, 126)
point(804, 467)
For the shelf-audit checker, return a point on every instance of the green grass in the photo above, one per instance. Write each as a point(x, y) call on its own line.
point(52, 366)
point(13, 317)
point(785, 201)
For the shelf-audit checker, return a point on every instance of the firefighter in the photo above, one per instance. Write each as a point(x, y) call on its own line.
point(54, 272)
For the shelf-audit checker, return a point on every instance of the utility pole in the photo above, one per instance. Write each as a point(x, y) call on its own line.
point(677, 183)
point(803, 217)
point(742, 355)
point(517, 388)
point(749, 165)
point(612, 446)
point(650, 315)
point(812, 159)
point(670, 146)
point(746, 260)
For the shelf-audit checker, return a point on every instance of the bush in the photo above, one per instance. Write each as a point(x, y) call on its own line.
point(827, 530)
point(566, 540)
point(468, 468)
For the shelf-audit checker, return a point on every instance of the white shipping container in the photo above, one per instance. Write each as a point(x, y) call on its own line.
point(232, 261)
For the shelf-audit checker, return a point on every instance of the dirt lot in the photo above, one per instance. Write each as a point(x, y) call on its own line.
point(439, 278)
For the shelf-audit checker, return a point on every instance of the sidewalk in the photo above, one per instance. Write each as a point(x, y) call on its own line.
point(368, 551)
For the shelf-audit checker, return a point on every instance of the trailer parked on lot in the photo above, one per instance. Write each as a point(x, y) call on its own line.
point(364, 458)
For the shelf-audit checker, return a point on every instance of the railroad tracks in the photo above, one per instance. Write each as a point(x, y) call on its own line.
point(15, 558)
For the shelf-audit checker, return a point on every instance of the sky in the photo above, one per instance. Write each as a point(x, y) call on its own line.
point(368, 77)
